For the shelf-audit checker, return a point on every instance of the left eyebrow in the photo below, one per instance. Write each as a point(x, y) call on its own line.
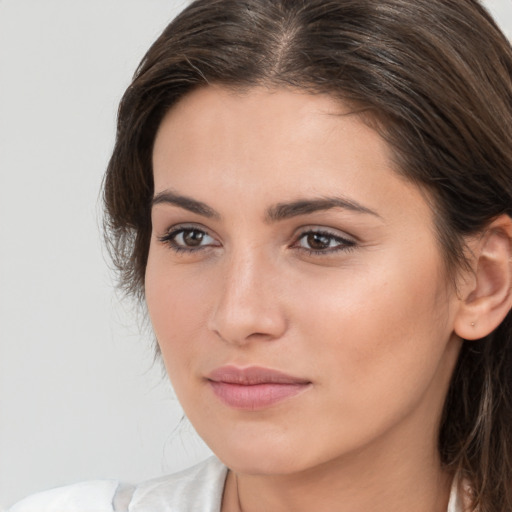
point(284, 211)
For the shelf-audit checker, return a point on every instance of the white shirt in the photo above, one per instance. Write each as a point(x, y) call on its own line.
point(197, 489)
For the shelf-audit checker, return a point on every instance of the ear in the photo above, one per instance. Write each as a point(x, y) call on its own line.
point(486, 294)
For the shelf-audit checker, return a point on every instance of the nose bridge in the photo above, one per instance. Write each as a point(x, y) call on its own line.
point(247, 306)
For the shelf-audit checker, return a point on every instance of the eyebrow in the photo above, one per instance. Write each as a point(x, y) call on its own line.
point(187, 203)
point(284, 211)
point(275, 213)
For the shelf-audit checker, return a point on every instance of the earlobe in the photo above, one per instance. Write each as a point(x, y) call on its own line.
point(486, 297)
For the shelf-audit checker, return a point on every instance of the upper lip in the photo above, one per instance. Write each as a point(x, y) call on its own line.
point(252, 375)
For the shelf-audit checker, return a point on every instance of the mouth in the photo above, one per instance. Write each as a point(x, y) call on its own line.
point(254, 388)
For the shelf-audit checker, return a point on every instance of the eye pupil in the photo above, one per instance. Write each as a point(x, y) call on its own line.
point(318, 241)
point(193, 238)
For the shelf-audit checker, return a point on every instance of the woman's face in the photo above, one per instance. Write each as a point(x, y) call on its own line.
point(295, 284)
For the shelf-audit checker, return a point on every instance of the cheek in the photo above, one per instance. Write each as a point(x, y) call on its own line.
point(177, 309)
point(378, 329)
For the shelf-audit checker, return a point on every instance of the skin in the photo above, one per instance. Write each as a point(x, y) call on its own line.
point(368, 319)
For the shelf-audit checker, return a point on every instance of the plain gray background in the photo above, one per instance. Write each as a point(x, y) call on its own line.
point(79, 396)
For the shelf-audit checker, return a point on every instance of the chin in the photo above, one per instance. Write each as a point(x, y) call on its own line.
point(258, 462)
point(263, 453)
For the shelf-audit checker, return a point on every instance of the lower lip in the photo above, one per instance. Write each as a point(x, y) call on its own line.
point(256, 396)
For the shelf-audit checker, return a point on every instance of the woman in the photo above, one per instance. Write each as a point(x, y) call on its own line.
point(314, 200)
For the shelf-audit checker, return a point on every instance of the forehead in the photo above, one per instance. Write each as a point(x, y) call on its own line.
point(259, 124)
point(274, 145)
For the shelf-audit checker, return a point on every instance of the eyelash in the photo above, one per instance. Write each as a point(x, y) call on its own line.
point(170, 239)
point(343, 244)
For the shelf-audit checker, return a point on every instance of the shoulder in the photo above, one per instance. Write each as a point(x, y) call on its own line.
point(85, 496)
point(198, 488)
point(460, 496)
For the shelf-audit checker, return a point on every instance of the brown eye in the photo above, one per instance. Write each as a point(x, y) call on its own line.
point(323, 242)
point(188, 239)
point(318, 241)
point(192, 237)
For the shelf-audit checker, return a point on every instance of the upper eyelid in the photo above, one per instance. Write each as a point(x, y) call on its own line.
point(192, 226)
point(335, 233)
point(169, 235)
point(298, 233)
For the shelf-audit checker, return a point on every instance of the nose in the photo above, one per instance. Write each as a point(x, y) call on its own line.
point(248, 306)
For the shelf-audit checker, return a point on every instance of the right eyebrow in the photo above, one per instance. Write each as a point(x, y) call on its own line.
point(187, 203)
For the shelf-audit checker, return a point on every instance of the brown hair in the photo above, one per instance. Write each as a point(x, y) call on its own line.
point(435, 75)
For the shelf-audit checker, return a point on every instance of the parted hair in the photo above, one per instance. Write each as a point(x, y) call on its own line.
point(434, 77)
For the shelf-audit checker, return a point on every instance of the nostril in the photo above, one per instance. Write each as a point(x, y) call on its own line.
point(246, 326)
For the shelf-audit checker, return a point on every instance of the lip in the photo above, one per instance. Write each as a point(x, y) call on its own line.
point(254, 388)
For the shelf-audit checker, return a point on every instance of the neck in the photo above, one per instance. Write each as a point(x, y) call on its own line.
point(407, 480)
